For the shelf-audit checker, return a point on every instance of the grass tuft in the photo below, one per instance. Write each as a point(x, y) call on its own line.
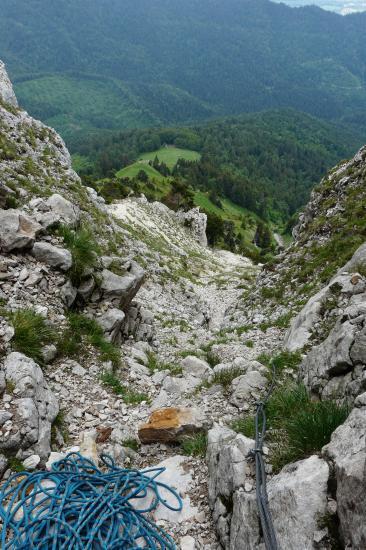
point(31, 333)
point(81, 331)
point(130, 397)
point(298, 427)
point(154, 365)
point(195, 445)
point(226, 376)
point(84, 250)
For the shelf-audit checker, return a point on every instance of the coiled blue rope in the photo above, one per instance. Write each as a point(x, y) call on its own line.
point(76, 506)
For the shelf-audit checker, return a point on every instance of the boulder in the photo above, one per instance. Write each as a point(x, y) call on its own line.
point(244, 530)
point(298, 499)
point(34, 407)
point(196, 367)
point(86, 288)
point(228, 470)
point(122, 289)
point(66, 212)
point(187, 543)
point(111, 322)
point(17, 230)
point(246, 387)
point(68, 293)
point(31, 462)
point(347, 450)
point(196, 221)
point(171, 425)
point(53, 256)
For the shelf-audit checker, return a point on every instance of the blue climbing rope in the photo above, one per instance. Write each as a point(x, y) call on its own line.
point(77, 506)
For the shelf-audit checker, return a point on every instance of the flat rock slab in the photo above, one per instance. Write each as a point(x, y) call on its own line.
point(178, 477)
point(171, 425)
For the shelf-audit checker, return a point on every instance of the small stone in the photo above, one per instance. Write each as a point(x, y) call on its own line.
point(31, 462)
point(187, 543)
point(104, 433)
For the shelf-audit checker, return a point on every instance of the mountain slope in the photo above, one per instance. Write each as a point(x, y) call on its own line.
point(193, 58)
point(266, 162)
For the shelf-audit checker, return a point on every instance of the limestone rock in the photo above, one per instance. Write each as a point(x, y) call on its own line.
point(178, 476)
point(196, 367)
point(171, 424)
point(197, 222)
point(347, 450)
point(111, 322)
point(246, 387)
point(68, 293)
point(228, 468)
point(66, 212)
point(3, 465)
point(243, 533)
point(122, 289)
point(17, 230)
point(6, 89)
point(298, 498)
point(53, 256)
point(187, 543)
point(34, 408)
point(31, 462)
point(88, 446)
point(331, 359)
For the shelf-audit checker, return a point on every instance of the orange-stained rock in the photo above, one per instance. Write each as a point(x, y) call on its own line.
point(171, 424)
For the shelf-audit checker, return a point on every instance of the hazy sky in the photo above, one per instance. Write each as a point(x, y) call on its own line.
point(340, 6)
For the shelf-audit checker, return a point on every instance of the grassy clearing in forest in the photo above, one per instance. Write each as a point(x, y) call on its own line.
point(170, 155)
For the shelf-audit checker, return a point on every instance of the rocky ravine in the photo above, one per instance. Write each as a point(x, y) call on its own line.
point(189, 329)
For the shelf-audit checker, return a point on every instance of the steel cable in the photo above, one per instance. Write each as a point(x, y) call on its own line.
point(269, 534)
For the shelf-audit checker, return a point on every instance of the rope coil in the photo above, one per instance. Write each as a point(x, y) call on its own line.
point(76, 506)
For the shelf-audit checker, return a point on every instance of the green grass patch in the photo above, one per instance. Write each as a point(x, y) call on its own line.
point(130, 397)
point(82, 331)
point(133, 170)
point(298, 427)
point(155, 365)
point(226, 376)
point(84, 250)
point(170, 155)
point(131, 443)
point(195, 445)
point(31, 333)
point(281, 361)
